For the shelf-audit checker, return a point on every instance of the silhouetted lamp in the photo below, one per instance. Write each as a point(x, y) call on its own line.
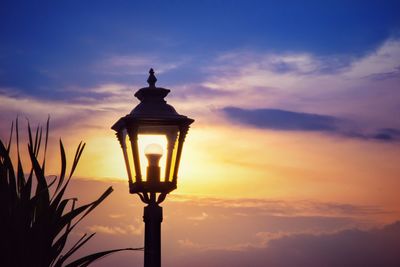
point(152, 116)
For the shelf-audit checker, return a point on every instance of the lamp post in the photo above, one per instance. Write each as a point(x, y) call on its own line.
point(152, 117)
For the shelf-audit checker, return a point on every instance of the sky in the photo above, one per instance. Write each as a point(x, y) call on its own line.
point(296, 142)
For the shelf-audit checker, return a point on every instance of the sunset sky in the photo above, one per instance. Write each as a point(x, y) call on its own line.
point(294, 155)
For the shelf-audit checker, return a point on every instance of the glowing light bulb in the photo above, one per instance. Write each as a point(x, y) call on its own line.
point(153, 153)
point(153, 149)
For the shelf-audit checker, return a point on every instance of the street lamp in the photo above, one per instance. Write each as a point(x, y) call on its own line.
point(152, 117)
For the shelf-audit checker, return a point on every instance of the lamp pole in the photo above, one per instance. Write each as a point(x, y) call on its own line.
point(152, 217)
point(152, 116)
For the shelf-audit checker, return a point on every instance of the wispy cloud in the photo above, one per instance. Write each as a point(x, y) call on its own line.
point(111, 230)
point(277, 119)
point(116, 216)
point(261, 241)
point(200, 217)
point(116, 230)
point(363, 89)
point(191, 245)
point(297, 70)
point(276, 207)
point(380, 63)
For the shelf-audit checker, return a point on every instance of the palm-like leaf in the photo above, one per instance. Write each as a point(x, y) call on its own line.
point(36, 219)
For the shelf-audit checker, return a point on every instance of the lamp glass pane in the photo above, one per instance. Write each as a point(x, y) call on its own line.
point(126, 145)
point(173, 159)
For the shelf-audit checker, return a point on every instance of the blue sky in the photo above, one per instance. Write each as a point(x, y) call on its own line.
point(50, 45)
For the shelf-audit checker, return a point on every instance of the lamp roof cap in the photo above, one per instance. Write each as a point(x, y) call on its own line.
point(152, 109)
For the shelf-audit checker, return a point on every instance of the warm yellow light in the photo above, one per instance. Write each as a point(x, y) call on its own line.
point(153, 153)
point(153, 149)
point(152, 144)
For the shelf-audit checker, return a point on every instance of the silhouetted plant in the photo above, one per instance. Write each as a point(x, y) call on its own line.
point(35, 218)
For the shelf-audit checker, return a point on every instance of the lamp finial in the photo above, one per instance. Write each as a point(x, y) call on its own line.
point(152, 79)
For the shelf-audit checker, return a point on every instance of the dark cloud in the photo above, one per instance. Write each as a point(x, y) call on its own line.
point(387, 134)
point(278, 119)
point(385, 75)
point(282, 119)
point(376, 247)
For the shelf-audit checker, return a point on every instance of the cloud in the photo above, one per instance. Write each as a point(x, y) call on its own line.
point(134, 230)
point(278, 207)
point(64, 116)
point(262, 240)
point(385, 75)
point(278, 119)
point(360, 89)
point(282, 119)
point(200, 217)
point(374, 247)
point(249, 67)
point(286, 63)
point(242, 231)
point(382, 63)
point(189, 244)
point(116, 216)
point(116, 230)
point(85, 108)
point(387, 134)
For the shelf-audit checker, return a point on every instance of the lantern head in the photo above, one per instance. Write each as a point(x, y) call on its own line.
point(157, 123)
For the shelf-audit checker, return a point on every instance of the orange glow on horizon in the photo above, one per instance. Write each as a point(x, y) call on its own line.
point(228, 160)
